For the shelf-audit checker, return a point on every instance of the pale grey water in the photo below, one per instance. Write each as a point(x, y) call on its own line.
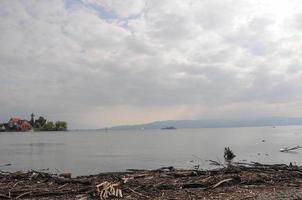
point(87, 152)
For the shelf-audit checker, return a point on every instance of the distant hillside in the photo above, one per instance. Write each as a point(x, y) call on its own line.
point(215, 123)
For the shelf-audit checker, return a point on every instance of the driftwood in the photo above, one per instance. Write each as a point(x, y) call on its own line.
point(106, 190)
point(164, 183)
point(2, 196)
point(286, 149)
point(221, 182)
point(85, 181)
point(194, 185)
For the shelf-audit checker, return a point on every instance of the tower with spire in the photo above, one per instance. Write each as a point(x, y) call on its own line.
point(32, 119)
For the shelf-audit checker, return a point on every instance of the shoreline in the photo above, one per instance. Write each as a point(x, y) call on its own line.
point(236, 181)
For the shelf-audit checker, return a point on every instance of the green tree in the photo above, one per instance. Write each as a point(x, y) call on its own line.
point(49, 126)
point(40, 122)
point(61, 126)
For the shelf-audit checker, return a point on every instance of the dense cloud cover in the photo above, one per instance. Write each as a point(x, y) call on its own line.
point(97, 63)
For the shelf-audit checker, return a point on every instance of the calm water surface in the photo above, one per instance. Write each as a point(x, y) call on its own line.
point(87, 152)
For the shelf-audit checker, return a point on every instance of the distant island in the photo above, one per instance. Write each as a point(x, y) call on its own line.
point(40, 124)
point(168, 128)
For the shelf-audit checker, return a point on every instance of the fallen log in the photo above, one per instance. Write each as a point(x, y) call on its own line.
point(83, 181)
point(194, 185)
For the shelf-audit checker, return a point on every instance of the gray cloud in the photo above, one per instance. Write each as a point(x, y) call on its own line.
point(92, 62)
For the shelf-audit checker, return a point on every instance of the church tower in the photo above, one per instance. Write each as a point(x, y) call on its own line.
point(32, 119)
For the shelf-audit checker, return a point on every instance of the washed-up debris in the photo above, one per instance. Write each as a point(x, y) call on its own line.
point(228, 154)
point(234, 181)
point(6, 165)
point(286, 149)
point(106, 190)
point(65, 175)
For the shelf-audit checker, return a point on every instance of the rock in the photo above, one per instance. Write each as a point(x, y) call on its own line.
point(65, 175)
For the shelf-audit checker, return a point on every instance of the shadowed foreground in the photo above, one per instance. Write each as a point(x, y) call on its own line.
point(239, 181)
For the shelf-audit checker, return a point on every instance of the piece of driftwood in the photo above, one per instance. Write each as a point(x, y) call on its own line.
point(107, 189)
point(287, 149)
point(165, 169)
point(24, 194)
point(2, 196)
point(216, 163)
point(6, 165)
point(61, 180)
point(65, 175)
point(221, 182)
point(194, 185)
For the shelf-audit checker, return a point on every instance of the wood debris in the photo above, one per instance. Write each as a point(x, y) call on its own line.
point(287, 149)
point(233, 181)
point(106, 190)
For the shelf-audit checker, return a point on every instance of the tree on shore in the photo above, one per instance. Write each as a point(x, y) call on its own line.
point(43, 125)
point(40, 122)
point(49, 126)
point(61, 126)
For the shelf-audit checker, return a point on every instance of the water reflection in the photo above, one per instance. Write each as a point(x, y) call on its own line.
point(38, 144)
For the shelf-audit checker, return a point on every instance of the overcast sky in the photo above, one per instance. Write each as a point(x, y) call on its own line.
point(98, 63)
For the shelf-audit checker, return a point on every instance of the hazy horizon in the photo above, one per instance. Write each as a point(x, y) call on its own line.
point(104, 63)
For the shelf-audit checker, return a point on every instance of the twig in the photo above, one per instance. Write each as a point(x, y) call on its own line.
point(249, 197)
point(223, 181)
point(63, 186)
point(10, 190)
point(140, 194)
point(16, 184)
point(21, 195)
point(217, 163)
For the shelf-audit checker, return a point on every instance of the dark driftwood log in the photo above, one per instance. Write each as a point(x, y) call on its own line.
point(194, 185)
point(4, 196)
point(70, 180)
point(166, 187)
point(38, 192)
point(183, 174)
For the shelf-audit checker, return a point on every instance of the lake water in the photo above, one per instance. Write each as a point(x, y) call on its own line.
point(89, 152)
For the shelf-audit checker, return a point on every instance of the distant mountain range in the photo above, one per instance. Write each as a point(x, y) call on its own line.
point(215, 123)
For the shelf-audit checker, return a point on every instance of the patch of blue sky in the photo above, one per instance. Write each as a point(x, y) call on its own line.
point(70, 4)
point(101, 11)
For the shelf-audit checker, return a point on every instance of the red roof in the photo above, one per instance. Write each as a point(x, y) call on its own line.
point(15, 119)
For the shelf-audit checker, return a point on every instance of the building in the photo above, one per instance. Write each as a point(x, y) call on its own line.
point(17, 124)
point(2, 127)
point(25, 125)
point(14, 123)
